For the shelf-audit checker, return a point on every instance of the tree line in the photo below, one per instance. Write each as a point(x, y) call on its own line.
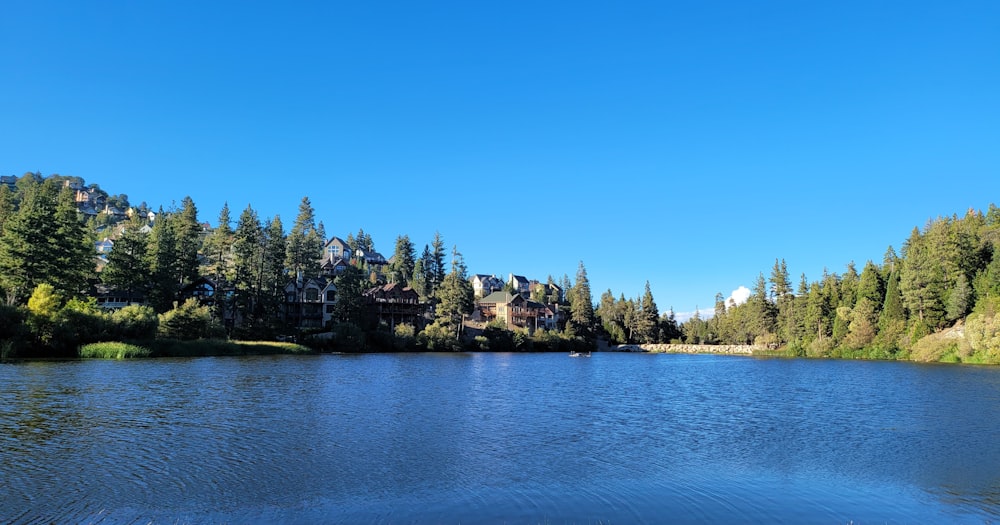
point(48, 275)
point(935, 300)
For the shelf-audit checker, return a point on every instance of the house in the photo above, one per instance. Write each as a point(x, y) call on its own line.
point(114, 299)
point(520, 284)
point(9, 180)
point(374, 260)
point(335, 249)
point(483, 285)
point(104, 246)
point(309, 303)
point(203, 289)
point(333, 267)
point(515, 311)
point(395, 304)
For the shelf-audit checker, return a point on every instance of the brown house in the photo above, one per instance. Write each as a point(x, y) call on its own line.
point(395, 304)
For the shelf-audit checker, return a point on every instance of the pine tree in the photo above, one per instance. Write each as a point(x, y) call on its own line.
point(649, 317)
point(219, 244)
point(305, 246)
point(248, 243)
point(273, 276)
point(870, 285)
point(165, 277)
point(436, 269)
point(128, 267)
point(74, 248)
point(455, 295)
point(581, 304)
point(922, 281)
point(404, 259)
point(188, 240)
point(29, 239)
point(7, 207)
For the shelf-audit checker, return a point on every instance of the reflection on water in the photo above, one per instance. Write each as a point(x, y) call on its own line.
point(486, 438)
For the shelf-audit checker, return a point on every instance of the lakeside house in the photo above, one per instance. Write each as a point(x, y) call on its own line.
point(516, 311)
point(483, 285)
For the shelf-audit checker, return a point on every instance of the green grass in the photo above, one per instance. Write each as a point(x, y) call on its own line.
point(113, 350)
point(198, 348)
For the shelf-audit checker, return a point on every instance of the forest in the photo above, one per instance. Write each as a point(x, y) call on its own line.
point(50, 274)
point(935, 300)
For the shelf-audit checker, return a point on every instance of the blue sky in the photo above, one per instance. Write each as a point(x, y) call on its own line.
point(689, 144)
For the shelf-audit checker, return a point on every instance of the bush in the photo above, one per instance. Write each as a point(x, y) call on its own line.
point(189, 321)
point(439, 337)
point(405, 337)
point(135, 322)
point(13, 332)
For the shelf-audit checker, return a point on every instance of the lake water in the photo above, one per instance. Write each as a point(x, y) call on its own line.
point(498, 438)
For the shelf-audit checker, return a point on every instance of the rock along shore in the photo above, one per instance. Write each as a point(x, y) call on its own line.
point(689, 349)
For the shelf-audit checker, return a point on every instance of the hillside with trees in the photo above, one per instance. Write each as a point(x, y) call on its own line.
point(935, 300)
point(51, 277)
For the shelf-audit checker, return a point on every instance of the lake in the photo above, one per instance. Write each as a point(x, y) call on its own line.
point(498, 438)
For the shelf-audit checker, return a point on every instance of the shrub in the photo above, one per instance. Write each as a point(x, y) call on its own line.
point(135, 322)
point(189, 321)
point(405, 337)
point(439, 337)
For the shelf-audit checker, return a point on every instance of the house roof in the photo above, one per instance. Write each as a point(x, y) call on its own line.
point(500, 297)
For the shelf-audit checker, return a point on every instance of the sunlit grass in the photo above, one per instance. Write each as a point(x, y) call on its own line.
point(113, 350)
point(198, 348)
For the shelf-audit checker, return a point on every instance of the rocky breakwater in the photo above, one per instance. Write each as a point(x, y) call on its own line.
point(689, 349)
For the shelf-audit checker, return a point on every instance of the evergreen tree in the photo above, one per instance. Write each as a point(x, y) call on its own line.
point(273, 276)
point(581, 304)
point(188, 240)
point(870, 285)
point(351, 285)
point(29, 239)
point(419, 281)
point(922, 281)
point(248, 255)
point(455, 295)
point(611, 319)
point(128, 267)
point(436, 268)
point(165, 277)
point(404, 259)
point(218, 246)
point(7, 207)
point(74, 248)
point(305, 246)
point(649, 317)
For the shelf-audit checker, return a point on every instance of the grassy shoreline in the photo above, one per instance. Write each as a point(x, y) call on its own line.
point(196, 348)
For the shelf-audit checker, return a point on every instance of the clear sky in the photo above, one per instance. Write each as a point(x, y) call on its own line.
point(689, 144)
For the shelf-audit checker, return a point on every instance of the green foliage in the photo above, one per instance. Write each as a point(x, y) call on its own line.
point(405, 337)
point(439, 337)
point(135, 322)
point(982, 330)
point(43, 242)
point(304, 244)
point(188, 321)
point(581, 320)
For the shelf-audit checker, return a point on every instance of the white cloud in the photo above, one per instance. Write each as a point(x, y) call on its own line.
point(739, 296)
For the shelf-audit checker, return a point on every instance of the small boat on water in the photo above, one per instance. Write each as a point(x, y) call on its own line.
point(579, 354)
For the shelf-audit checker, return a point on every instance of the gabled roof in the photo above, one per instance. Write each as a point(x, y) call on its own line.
point(500, 297)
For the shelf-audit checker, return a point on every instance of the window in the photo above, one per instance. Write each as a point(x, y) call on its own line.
point(331, 296)
point(312, 294)
point(334, 250)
